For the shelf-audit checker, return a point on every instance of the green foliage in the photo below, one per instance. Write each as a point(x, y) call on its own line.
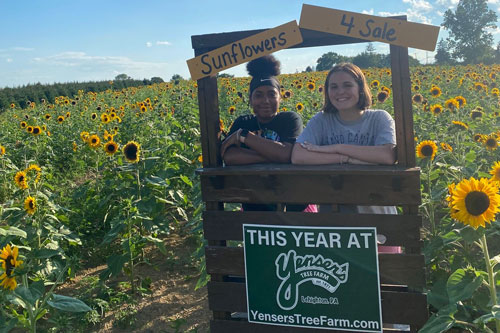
point(469, 39)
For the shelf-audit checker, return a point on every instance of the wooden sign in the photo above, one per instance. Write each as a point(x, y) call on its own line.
point(242, 51)
point(369, 27)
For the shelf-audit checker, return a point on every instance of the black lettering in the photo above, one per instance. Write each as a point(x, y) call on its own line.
point(228, 57)
point(234, 54)
point(215, 65)
point(273, 40)
point(258, 49)
point(203, 57)
point(242, 53)
point(350, 25)
point(377, 32)
point(248, 48)
point(282, 40)
point(266, 44)
point(368, 33)
point(389, 34)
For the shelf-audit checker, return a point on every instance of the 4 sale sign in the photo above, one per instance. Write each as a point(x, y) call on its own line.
point(315, 277)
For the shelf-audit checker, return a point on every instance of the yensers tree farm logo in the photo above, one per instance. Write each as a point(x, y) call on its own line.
point(322, 277)
point(294, 270)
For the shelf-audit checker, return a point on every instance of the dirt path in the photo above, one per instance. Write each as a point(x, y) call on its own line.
point(173, 279)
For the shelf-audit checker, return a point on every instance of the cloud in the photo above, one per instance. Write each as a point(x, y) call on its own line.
point(19, 48)
point(163, 43)
point(419, 5)
point(411, 14)
point(9, 60)
point(149, 44)
point(104, 67)
point(447, 3)
point(368, 12)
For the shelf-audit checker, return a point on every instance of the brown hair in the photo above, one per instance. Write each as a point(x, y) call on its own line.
point(365, 95)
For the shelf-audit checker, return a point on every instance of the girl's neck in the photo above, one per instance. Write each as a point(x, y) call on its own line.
point(350, 115)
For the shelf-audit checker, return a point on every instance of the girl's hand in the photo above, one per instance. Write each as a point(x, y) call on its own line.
point(318, 149)
point(232, 140)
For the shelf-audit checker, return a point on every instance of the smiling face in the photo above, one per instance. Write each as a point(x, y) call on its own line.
point(343, 91)
point(265, 101)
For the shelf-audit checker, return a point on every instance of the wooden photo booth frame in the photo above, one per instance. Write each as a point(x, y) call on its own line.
point(402, 276)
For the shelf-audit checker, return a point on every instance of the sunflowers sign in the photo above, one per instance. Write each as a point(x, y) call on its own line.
point(242, 51)
point(369, 27)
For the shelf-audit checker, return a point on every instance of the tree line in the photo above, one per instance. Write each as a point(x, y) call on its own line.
point(21, 96)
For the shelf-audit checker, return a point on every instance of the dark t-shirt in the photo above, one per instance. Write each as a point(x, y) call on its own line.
point(284, 127)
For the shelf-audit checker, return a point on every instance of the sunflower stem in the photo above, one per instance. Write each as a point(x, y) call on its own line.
point(431, 204)
point(491, 281)
point(31, 315)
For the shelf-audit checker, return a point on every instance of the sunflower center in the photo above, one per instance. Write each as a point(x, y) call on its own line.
point(491, 142)
point(427, 151)
point(8, 265)
point(477, 203)
point(31, 204)
point(131, 152)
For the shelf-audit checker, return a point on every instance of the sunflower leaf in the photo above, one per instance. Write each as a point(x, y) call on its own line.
point(68, 304)
point(12, 231)
point(470, 156)
point(462, 284)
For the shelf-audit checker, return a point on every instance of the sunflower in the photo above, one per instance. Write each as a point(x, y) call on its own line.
point(436, 109)
point(460, 125)
point(30, 205)
point(446, 146)
point(29, 129)
point(93, 116)
point(105, 118)
point(12, 105)
point(435, 91)
point(231, 109)
point(94, 141)
point(461, 101)
point(23, 124)
point(476, 114)
point(418, 98)
point(495, 92)
point(8, 257)
point(21, 180)
point(60, 119)
point(287, 94)
point(491, 142)
point(452, 104)
point(311, 86)
point(37, 169)
point(299, 107)
point(132, 151)
point(36, 130)
point(495, 172)
point(426, 149)
point(47, 116)
point(375, 83)
point(84, 135)
point(2, 150)
point(478, 137)
point(111, 148)
point(382, 96)
point(475, 201)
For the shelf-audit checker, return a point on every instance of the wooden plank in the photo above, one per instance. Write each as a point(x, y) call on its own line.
point(329, 169)
point(208, 102)
point(397, 269)
point(244, 50)
point(397, 307)
point(400, 230)
point(361, 189)
point(369, 27)
point(231, 326)
point(402, 99)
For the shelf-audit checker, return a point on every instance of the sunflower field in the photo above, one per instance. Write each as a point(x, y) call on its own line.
point(97, 178)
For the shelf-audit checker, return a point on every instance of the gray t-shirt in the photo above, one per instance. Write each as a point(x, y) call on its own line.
point(376, 127)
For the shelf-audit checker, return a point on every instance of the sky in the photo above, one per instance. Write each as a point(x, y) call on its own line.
point(49, 41)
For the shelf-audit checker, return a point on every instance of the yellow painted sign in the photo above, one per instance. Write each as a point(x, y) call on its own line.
point(369, 27)
point(242, 51)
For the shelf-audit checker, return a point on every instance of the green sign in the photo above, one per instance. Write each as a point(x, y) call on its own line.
point(314, 277)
